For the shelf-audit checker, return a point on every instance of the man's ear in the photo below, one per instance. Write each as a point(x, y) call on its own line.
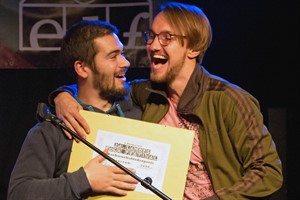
point(192, 53)
point(80, 69)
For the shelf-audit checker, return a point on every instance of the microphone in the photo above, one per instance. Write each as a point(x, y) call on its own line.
point(43, 113)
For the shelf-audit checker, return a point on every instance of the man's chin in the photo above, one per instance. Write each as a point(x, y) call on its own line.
point(113, 94)
point(121, 92)
point(156, 78)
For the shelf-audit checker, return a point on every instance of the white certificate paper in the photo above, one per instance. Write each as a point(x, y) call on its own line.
point(149, 158)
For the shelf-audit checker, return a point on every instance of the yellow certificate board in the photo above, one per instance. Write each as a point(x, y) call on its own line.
point(156, 151)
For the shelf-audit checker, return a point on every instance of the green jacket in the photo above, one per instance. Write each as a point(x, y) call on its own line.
point(237, 148)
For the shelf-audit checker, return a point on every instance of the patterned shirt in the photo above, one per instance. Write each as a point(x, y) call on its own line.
point(198, 184)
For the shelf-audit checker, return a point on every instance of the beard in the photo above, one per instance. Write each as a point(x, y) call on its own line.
point(107, 87)
point(170, 75)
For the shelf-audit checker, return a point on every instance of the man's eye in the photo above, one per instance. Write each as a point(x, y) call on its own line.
point(113, 56)
point(165, 37)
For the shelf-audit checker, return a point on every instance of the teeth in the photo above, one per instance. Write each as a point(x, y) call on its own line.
point(159, 57)
point(120, 74)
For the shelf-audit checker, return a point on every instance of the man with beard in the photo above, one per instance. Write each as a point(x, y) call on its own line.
point(233, 155)
point(95, 52)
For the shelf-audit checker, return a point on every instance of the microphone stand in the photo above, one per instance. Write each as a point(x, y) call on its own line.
point(44, 114)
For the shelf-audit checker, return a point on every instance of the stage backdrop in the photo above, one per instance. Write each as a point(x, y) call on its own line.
point(34, 28)
point(254, 46)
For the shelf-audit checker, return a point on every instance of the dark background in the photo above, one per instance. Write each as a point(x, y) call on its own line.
point(255, 45)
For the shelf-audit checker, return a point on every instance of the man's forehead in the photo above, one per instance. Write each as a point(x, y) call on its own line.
point(109, 44)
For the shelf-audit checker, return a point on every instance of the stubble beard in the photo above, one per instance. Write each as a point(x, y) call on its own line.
point(169, 76)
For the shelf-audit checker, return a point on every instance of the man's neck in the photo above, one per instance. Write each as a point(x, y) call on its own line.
point(91, 97)
point(177, 86)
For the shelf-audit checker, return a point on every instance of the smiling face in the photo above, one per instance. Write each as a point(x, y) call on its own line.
point(166, 61)
point(108, 74)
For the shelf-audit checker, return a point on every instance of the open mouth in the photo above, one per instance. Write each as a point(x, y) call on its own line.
point(120, 75)
point(159, 59)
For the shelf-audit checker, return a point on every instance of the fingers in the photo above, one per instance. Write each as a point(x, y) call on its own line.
point(67, 108)
point(108, 179)
point(99, 159)
point(78, 123)
point(68, 121)
point(81, 121)
point(72, 124)
point(121, 183)
point(123, 176)
point(120, 191)
point(68, 135)
point(121, 188)
point(118, 170)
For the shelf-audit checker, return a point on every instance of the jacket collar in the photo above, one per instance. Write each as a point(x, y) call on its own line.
point(192, 93)
point(194, 90)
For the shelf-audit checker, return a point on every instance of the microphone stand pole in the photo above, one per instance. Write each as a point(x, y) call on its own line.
point(146, 183)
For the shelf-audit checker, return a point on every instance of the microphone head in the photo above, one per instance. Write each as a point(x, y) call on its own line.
point(42, 112)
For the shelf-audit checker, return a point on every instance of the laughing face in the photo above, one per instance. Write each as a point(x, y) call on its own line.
point(166, 61)
point(110, 68)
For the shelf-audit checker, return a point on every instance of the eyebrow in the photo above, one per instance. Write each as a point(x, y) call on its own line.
point(117, 51)
point(170, 32)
